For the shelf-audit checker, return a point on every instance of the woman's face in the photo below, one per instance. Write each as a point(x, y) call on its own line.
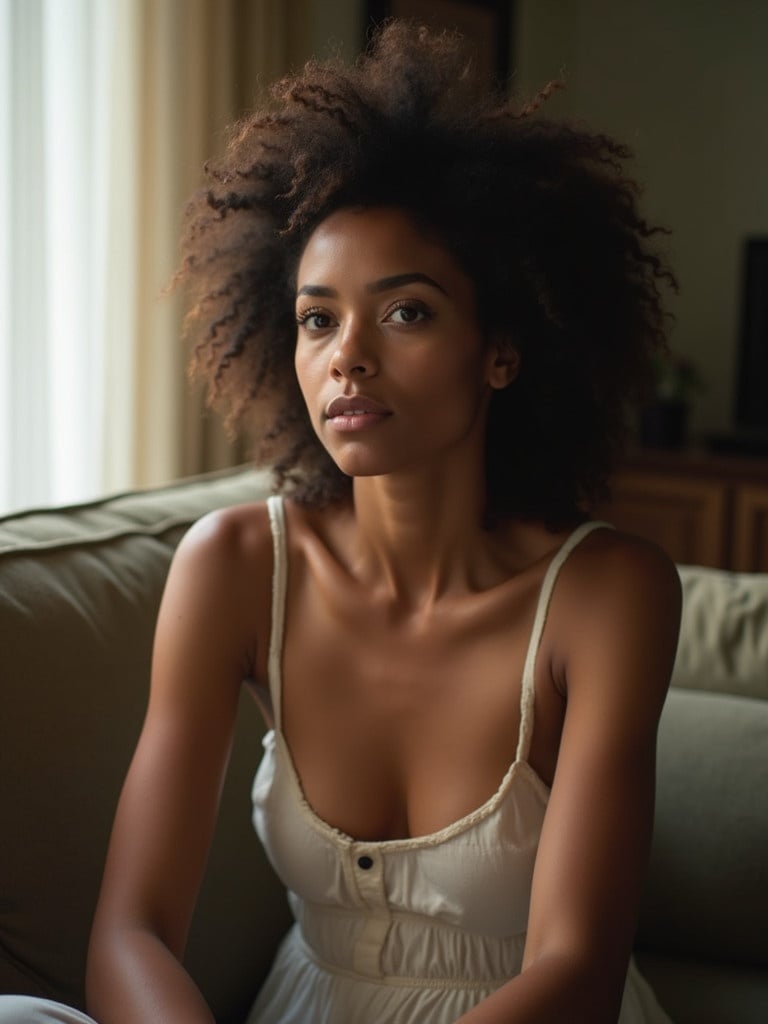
point(390, 357)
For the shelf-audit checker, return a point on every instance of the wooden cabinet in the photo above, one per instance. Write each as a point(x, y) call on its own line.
point(703, 510)
point(749, 550)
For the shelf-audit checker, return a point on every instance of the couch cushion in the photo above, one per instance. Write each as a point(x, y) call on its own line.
point(724, 636)
point(149, 512)
point(707, 891)
point(79, 592)
point(702, 992)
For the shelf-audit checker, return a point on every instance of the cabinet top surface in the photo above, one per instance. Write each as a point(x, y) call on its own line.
point(695, 462)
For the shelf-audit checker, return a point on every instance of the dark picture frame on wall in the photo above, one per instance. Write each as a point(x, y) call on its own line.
point(486, 24)
point(752, 377)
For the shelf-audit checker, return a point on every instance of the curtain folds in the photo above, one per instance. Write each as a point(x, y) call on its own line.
point(108, 111)
point(51, 187)
point(203, 64)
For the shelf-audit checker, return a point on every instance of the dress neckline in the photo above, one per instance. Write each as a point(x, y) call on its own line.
point(519, 766)
point(430, 839)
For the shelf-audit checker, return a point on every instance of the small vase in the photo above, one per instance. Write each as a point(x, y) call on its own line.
point(663, 424)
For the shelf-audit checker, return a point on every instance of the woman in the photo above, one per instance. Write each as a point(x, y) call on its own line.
point(439, 307)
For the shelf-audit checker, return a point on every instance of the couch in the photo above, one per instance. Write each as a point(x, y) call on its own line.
point(79, 591)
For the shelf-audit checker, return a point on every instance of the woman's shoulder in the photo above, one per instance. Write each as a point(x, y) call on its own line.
point(217, 595)
point(610, 562)
point(619, 602)
point(612, 574)
point(598, 556)
point(239, 541)
point(224, 561)
point(229, 534)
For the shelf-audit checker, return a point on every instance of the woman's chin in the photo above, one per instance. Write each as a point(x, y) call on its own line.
point(359, 468)
point(365, 464)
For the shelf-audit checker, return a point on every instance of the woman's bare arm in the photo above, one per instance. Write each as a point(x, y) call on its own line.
point(168, 806)
point(622, 606)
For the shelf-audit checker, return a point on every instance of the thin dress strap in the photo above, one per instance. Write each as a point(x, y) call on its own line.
point(279, 582)
point(539, 621)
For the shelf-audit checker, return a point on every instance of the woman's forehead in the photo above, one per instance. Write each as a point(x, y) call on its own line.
point(383, 241)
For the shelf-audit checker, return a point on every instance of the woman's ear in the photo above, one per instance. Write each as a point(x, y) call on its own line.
point(504, 365)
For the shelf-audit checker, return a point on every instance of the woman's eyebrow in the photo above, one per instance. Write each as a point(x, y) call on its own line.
point(317, 291)
point(384, 284)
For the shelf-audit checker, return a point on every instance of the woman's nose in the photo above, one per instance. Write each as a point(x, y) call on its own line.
point(353, 357)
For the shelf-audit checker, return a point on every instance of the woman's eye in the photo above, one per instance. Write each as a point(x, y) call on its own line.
point(313, 320)
point(408, 313)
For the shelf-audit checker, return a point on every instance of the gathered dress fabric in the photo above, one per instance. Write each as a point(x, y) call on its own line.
point(404, 931)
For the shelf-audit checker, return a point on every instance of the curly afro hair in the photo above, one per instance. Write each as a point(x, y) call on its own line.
point(539, 213)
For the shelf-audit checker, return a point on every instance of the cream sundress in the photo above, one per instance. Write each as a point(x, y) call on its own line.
point(403, 931)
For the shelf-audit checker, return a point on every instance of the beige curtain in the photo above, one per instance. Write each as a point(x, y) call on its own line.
point(200, 65)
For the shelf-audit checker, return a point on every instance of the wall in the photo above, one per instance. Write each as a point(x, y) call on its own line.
point(686, 85)
point(336, 29)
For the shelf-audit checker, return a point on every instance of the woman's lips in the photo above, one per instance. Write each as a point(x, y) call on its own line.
point(355, 412)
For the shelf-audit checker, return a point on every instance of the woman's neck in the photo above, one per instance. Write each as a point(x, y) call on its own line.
point(418, 537)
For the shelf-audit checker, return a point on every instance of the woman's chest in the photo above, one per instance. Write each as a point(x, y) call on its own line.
point(400, 727)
